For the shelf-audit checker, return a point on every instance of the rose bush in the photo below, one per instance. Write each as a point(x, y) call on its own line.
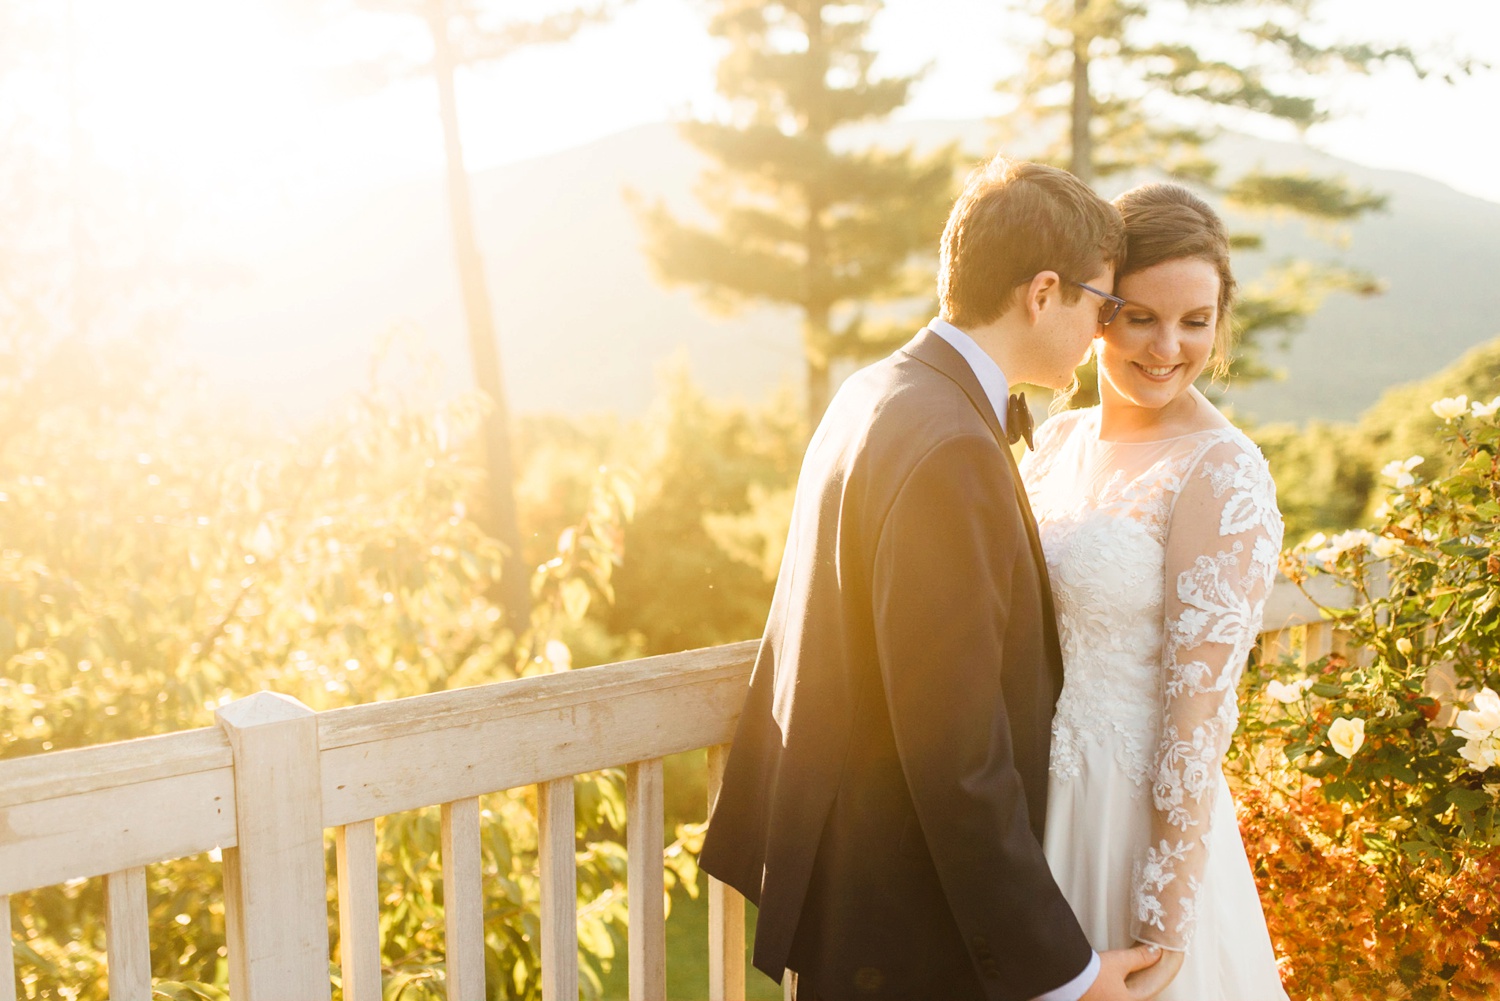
point(1368, 779)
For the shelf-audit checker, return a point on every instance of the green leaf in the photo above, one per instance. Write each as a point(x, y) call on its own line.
point(1295, 751)
point(1418, 852)
point(1468, 800)
point(575, 598)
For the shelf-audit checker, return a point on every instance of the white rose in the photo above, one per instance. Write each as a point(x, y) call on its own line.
point(1481, 721)
point(1400, 471)
point(1343, 542)
point(1352, 539)
point(1485, 409)
point(1479, 756)
point(1404, 645)
point(1287, 694)
point(1384, 547)
point(1347, 735)
point(1450, 407)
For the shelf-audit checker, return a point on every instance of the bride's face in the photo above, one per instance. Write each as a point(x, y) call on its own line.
point(1164, 336)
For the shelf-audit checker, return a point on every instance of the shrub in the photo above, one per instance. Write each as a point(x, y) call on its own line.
point(1369, 777)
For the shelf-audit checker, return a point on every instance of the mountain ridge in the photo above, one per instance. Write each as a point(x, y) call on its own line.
point(583, 324)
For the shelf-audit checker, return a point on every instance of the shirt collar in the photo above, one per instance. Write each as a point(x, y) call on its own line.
point(996, 387)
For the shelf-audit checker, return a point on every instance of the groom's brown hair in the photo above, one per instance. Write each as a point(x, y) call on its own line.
point(1013, 220)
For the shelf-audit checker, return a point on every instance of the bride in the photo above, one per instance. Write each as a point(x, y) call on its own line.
point(1161, 532)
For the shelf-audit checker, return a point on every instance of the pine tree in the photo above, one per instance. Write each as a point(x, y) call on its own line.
point(466, 33)
point(800, 221)
point(1124, 85)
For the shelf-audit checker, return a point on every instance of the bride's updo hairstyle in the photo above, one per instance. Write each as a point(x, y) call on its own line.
point(1167, 222)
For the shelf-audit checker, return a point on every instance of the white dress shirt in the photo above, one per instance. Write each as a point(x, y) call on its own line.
point(985, 369)
point(997, 388)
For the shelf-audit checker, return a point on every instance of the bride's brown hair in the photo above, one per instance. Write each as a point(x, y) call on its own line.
point(1167, 222)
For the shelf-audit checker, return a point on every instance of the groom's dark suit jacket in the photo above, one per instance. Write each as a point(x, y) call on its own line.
point(884, 798)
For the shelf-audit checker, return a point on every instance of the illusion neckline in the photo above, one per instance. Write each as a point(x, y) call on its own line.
point(1097, 418)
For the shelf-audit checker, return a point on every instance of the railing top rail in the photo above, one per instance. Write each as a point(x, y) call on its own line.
point(104, 766)
point(462, 707)
point(1288, 606)
point(95, 810)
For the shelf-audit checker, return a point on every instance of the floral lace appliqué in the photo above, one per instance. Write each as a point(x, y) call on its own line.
point(1159, 602)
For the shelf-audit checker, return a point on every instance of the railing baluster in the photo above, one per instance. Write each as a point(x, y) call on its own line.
point(646, 881)
point(359, 910)
point(1317, 641)
point(127, 935)
point(559, 890)
point(1275, 644)
point(7, 954)
point(463, 900)
point(726, 912)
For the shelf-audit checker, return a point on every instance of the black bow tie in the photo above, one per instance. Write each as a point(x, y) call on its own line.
point(1018, 423)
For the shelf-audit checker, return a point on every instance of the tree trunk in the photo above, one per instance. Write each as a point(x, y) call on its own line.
point(497, 515)
point(1081, 160)
point(817, 335)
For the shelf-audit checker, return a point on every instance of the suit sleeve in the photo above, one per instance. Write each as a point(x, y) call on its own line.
point(950, 550)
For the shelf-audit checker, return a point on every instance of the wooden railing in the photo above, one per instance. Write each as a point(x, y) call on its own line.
point(265, 783)
point(273, 775)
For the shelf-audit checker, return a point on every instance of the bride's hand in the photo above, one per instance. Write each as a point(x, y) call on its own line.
point(1146, 984)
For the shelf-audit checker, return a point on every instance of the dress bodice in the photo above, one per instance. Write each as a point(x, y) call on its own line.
point(1160, 554)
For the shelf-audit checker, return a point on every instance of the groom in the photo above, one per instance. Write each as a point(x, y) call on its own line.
point(884, 798)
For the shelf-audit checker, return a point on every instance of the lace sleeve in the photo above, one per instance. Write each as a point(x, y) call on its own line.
point(1222, 548)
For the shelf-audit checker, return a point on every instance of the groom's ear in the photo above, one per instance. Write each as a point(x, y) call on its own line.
point(1041, 293)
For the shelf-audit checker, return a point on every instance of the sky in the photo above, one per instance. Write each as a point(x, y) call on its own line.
point(237, 103)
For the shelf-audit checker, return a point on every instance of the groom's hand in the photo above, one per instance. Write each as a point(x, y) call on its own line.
point(1154, 979)
point(1115, 966)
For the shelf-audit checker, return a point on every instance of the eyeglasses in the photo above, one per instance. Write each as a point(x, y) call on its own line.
point(1109, 309)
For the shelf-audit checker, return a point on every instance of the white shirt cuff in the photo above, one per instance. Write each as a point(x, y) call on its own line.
point(1075, 988)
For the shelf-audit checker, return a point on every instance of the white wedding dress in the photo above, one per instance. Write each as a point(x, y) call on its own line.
point(1161, 555)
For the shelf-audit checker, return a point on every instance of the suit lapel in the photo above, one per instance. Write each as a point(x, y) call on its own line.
point(931, 350)
point(934, 352)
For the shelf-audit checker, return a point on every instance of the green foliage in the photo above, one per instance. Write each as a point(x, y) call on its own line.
point(162, 558)
point(1400, 424)
point(1327, 474)
point(1324, 475)
point(1399, 734)
point(800, 220)
point(702, 551)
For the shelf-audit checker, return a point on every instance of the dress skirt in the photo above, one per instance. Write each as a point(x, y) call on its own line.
point(1098, 826)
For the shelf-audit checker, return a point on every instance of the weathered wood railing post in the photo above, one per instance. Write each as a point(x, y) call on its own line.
point(645, 880)
point(7, 953)
point(275, 886)
point(127, 935)
point(726, 911)
point(559, 872)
